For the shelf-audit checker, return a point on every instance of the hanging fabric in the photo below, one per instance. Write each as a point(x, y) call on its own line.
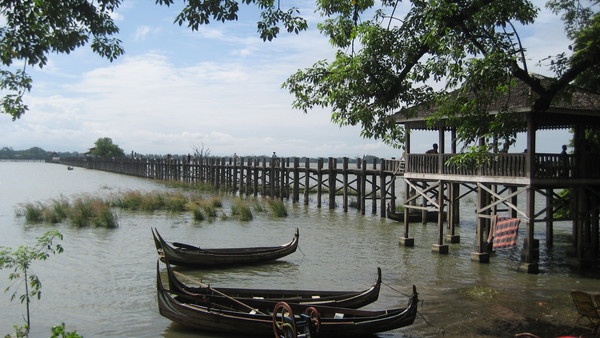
point(504, 231)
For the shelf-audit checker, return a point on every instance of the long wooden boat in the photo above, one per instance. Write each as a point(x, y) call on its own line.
point(270, 297)
point(193, 256)
point(414, 216)
point(240, 319)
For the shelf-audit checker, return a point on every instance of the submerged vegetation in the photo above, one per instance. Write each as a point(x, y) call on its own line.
point(480, 293)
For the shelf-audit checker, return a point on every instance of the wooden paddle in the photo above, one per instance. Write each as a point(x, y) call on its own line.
point(179, 274)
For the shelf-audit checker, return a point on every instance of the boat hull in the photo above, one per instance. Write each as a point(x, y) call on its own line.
point(334, 321)
point(191, 256)
point(269, 297)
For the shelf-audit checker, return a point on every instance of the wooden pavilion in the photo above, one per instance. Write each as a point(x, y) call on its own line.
point(432, 183)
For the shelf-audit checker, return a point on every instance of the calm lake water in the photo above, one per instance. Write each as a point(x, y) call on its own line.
point(103, 285)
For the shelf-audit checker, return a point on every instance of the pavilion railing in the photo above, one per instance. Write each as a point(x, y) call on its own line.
point(507, 165)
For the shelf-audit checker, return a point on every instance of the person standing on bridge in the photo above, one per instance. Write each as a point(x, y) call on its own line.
point(434, 150)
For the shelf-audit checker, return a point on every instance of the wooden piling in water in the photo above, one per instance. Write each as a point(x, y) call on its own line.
point(281, 178)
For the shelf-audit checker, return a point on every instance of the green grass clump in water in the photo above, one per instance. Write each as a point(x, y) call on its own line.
point(103, 216)
point(195, 186)
point(152, 201)
point(131, 200)
point(33, 212)
point(176, 202)
point(198, 215)
point(56, 212)
point(258, 207)
point(241, 210)
point(91, 211)
point(278, 208)
point(216, 202)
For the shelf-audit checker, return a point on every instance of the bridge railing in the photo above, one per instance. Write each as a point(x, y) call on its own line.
point(507, 165)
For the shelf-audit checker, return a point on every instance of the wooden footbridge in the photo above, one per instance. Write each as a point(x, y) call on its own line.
point(369, 183)
point(430, 182)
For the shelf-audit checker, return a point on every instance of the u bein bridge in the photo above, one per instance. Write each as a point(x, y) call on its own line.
point(506, 184)
point(282, 178)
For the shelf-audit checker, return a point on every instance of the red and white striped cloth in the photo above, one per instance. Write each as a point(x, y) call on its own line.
point(504, 231)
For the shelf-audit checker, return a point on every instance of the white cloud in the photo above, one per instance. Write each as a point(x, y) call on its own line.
point(141, 32)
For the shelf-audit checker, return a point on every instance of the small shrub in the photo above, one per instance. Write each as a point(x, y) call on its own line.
point(60, 331)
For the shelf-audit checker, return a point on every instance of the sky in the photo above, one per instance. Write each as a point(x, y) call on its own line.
point(218, 89)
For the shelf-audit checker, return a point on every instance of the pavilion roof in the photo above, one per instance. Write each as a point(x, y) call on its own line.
point(581, 106)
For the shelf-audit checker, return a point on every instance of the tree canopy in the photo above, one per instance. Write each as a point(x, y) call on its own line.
point(441, 53)
point(392, 55)
point(106, 148)
point(35, 28)
point(32, 29)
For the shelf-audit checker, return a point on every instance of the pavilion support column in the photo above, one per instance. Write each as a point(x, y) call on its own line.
point(595, 227)
point(452, 216)
point(454, 205)
point(331, 175)
point(440, 247)
point(549, 219)
point(530, 253)
point(344, 184)
point(514, 200)
point(405, 240)
point(583, 228)
point(424, 211)
point(481, 255)
point(383, 188)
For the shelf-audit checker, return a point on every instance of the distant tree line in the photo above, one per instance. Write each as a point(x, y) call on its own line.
point(104, 147)
point(35, 153)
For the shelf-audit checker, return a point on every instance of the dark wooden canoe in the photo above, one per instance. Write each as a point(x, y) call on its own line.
point(193, 256)
point(270, 297)
point(413, 216)
point(240, 319)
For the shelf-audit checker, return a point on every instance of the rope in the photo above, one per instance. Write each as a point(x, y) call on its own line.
point(398, 291)
point(299, 248)
point(442, 332)
point(419, 313)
